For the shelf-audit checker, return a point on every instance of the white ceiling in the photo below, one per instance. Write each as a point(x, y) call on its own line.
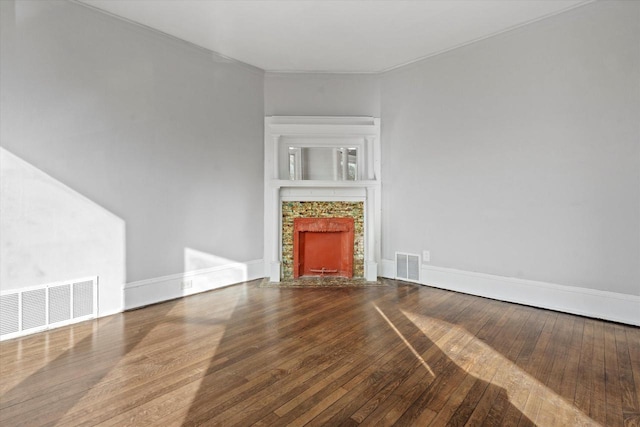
point(332, 35)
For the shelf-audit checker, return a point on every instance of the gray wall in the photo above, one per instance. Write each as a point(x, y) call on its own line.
point(161, 134)
point(308, 94)
point(515, 156)
point(519, 155)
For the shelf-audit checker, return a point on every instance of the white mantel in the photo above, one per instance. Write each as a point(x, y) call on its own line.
point(280, 132)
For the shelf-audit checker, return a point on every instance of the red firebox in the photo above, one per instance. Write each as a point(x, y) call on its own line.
point(323, 247)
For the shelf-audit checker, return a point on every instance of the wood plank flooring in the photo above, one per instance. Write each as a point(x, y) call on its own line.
point(397, 355)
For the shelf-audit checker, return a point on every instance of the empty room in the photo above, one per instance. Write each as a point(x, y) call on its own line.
point(319, 212)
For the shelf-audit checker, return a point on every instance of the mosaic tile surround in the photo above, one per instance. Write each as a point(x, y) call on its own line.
point(291, 210)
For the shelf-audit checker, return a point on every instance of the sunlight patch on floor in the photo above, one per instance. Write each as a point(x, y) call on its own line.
point(481, 361)
point(404, 340)
point(139, 372)
point(11, 359)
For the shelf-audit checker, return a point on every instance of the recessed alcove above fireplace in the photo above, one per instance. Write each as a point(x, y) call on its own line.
point(348, 148)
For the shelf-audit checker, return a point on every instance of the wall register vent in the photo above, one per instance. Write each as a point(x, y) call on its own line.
point(407, 267)
point(38, 308)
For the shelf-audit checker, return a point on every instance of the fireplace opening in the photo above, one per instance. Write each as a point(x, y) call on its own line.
point(323, 247)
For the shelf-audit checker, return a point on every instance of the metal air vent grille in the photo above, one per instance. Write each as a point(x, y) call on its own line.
point(25, 311)
point(407, 267)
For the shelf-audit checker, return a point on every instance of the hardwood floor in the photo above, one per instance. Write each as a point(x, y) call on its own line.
point(397, 355)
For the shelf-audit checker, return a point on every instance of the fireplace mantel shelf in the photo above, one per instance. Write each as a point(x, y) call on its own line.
point(280, 183)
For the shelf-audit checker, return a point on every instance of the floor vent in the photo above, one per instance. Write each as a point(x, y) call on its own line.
point(408, 267)
point(35, 309)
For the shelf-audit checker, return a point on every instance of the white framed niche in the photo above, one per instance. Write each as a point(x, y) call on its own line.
point(317, 161)
point(321, 159)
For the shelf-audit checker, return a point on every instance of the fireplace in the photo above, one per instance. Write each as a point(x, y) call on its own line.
point(329, 168)
point(323, 247)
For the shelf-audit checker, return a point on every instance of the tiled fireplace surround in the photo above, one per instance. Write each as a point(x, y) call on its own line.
point(297, 209)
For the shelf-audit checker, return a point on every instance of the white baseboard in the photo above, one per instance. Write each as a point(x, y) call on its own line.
point(110, 312)
point(151, 291)
point(387, 269)
point(594, 303)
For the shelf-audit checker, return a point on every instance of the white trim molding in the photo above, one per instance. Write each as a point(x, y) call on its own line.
point(159, 289)
point(593, 303)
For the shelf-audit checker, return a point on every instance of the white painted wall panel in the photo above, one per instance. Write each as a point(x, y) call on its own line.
point(309, 94)
point(519, 155)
